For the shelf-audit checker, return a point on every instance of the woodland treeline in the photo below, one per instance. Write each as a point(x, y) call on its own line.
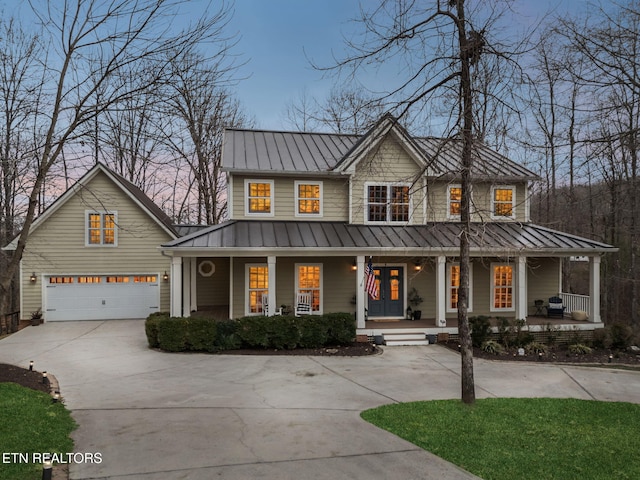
point(154, 112)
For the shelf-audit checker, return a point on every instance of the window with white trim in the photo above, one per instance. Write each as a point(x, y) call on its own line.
point(501, 287)
point(257, 279)
point(101, 229)
point(503, 202)
point(387, 203)
point(453, 286)
point(259, 197)
point(454, 201)
point(309, 280)
point(308, 199)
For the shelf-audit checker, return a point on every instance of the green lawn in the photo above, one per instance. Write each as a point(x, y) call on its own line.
point(523, 438)
point(30, 423)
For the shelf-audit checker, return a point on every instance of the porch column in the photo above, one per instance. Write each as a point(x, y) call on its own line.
point(594, 289)
point(360, 297)
point(271, 263)
point(521, 288)
point(176, 286)
point(186, 288)
point(441, 291)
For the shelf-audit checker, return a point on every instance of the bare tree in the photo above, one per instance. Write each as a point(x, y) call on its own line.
point(439, 46)
point(89, 43)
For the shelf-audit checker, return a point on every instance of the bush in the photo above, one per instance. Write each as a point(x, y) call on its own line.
point(480, 329)
point(621, 335)
point(579, 349)
point(172, 334)
point(504, 331)
point(341, 328)
point(151, 328)
point(535, 347)
point(601, 338)
point(313, 332)
point(200, 334)
point(226, 336)
point(493, 347)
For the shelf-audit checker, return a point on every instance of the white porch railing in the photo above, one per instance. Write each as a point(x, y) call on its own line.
point(574, 302)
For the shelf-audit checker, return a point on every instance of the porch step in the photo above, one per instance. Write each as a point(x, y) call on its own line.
point(403, 339)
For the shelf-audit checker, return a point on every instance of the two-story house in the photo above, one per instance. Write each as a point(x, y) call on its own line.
point(307, 211)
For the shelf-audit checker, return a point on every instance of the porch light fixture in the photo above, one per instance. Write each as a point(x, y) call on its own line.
point(354, 266)
point(417, 266)
point(33, 278)
point(165, 277)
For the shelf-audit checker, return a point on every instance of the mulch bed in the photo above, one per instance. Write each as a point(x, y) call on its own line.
point(560, 354)
point(23, 376)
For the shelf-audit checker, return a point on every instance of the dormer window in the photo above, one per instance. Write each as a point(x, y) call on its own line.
point(454, 199)
point(387, 203)
point(308, 199)
point(503, 200)
point(101, 228)
point(259, 197)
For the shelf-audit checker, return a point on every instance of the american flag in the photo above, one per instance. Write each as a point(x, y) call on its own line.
point(371, 287)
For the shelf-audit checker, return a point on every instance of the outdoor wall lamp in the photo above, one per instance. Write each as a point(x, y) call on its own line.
point(354, 266)
point(165, 277)
point(33, 278)
point(417, 266)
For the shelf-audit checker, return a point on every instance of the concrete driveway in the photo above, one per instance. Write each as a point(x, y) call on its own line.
point(155, 415)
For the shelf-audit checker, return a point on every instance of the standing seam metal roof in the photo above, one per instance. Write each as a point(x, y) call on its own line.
point(499, 237)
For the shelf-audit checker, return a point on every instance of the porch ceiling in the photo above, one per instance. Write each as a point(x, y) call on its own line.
point(246, 237)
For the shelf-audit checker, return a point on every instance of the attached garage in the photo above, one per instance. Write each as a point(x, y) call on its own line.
point(100, 297)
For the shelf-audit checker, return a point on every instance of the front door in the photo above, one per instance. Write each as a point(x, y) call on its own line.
point(390, 299)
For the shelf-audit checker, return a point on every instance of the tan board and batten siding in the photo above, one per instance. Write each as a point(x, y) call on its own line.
point(61, 249)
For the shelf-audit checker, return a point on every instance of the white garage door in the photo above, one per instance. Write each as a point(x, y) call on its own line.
point(101, 297)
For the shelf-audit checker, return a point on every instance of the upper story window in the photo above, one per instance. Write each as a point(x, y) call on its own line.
point(308, 199)
point(454, 199)
point(388, 203)
point(503, 202)
point(259, 197)
point(101, 228)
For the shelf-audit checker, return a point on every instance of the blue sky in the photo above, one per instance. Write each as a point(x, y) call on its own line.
point(278, 37)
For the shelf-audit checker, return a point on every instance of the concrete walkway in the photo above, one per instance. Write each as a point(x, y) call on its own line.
point(155, 415)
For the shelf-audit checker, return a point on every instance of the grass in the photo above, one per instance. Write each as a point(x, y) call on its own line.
point(30, 423)
point(509, 438)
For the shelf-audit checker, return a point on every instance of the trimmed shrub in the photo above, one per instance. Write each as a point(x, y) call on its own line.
point(253, 331)
point(284, 332)
point(341, 328)
point(172, 334)
point(480, 329)
point(313, 331)
point(200, 334)
point(151, 327)
point(226, 336)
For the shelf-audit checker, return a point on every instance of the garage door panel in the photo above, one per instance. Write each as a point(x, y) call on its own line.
point(101, 300)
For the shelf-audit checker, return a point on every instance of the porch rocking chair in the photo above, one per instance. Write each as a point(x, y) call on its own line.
point(265, 307)
point(303, 304)
point(555, 307)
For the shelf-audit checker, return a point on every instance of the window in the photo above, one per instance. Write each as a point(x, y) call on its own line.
point(112, 279)
point(388, 203)
point(501, 287)
point(60, 279)
point(454, 199)
point(453, 287)
point(503, 202)
point(309, 280)
point(88, 279)
point(259, 197)
point(308, 199)
point(101, 228)
point(145, 279)
point(257, 286)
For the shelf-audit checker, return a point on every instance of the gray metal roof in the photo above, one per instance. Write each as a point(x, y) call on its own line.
point(246, 237)
point(321, 153)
